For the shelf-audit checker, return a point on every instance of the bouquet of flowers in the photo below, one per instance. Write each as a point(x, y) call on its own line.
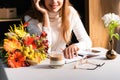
point(23, 49)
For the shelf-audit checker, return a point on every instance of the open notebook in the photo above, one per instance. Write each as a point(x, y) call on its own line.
point(86, 53)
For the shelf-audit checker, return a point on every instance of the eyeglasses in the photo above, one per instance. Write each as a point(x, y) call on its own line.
point(87, 65)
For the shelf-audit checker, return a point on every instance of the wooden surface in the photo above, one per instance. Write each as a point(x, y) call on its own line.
point(6, 20)
point(97, 31)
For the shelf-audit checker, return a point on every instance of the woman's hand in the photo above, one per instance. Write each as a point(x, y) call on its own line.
point(41, 8)
point(71, 51)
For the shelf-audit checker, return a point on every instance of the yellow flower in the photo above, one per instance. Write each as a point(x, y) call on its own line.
point(20, 31)
point(11, 35)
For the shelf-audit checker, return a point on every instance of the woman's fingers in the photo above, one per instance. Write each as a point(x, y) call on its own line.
point(70, 51)
point(40, 7)
point(36, 1)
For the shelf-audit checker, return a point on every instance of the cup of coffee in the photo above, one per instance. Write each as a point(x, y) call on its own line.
point(56, 59)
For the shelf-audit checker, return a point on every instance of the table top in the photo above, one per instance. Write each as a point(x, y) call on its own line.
point(109, 71)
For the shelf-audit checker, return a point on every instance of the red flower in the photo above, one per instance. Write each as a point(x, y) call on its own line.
point(30, 41)
point(43, 34)
point(16, 59)
point(45, 42)
point(37, 38)
point(25, 24)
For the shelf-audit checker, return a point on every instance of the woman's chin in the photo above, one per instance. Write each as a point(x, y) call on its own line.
point(54, 10)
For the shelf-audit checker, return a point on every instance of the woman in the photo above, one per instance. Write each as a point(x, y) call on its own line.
point(58, 19)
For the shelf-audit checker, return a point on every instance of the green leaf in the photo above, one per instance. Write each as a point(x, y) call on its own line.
point(116, 35)
point(112, 26)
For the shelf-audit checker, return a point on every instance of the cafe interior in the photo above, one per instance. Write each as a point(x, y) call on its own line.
point(91, 13)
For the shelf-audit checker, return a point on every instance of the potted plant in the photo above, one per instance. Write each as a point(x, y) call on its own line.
point(111, 21)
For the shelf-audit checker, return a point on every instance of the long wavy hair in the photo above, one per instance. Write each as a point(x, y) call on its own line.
point(64, 13)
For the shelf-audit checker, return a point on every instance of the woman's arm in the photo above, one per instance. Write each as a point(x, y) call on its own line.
point(84, 41)
point(80, 32)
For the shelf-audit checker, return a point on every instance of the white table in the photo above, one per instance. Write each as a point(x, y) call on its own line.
point(109, 71)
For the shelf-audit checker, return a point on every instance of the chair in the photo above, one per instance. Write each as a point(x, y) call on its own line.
point(117, 47)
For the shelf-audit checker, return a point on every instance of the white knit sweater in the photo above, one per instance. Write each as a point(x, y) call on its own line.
point(56, 42)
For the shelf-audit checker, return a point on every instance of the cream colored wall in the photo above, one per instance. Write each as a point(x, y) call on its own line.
point(97, 31)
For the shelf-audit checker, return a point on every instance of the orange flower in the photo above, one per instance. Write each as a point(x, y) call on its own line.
point(11, 45)
point(16, 59)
